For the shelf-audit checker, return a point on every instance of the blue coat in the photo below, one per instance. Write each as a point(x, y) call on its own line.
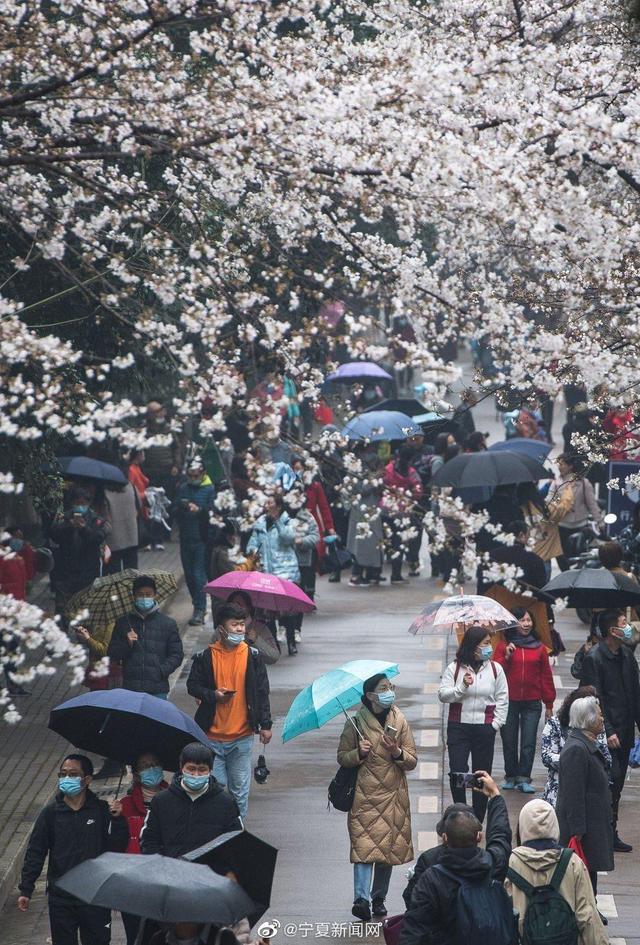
point(276, 548)
point(194, 526)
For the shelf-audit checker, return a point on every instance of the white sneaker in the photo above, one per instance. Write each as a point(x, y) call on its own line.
point(297, 636)
point(281, 635)
point(158, 547)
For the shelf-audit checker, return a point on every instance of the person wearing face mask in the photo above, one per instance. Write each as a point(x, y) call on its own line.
point(74, 827)
point(78, 536)
point(583, 806)
point(230, 683)
point(476, 690)
point(194, 810)
point(526, 665)
point(148, 780)
point(193, 505)
point(612, 668)
point(379, 821)
point(146, 642)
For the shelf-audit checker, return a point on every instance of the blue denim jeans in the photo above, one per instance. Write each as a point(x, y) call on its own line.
point(522, 720)
point(232, 768)
point(192, 555)
point(363, 873)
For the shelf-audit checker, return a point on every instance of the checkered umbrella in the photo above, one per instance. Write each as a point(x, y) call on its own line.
point(111, 596)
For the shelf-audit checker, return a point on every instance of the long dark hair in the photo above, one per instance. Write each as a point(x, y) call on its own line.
point(580, 693)
point(473, 636)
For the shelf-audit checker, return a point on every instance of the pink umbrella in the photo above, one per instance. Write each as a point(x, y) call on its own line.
point(465, 610)
point(265, 590)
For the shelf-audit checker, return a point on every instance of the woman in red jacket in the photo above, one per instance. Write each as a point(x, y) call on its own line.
point(526, 665)
point(148, 780)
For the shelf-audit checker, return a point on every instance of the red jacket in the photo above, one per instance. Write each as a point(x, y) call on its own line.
point(397, 483)
point(135, 810)
point(28, 555)
point(528, 674)
point(318, 506)
point(13, 576)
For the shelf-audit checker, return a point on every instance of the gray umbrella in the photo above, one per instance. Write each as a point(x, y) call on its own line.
point(157, 887)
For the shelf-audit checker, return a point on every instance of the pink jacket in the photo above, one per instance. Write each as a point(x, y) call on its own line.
point(396, 483)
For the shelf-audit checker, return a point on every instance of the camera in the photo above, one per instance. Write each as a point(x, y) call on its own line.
point(464, 779)
point(261, 772)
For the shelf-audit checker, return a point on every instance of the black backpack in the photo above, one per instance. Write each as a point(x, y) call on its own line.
point(343, 788)
point(549, 919)
point(484, 912)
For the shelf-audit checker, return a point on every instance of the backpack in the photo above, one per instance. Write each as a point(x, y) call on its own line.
point(343, 788)
point(549, 919)
point(484, 912)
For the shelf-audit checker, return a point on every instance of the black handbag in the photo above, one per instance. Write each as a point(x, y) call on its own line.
point(343, 788)
point(335, 559)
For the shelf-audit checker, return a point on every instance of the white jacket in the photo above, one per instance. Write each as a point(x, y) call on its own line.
point(484, 702)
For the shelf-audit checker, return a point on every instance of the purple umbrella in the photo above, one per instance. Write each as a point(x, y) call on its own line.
point(354, 370)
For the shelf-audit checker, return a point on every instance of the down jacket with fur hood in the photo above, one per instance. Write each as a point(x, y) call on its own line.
point(380, 820)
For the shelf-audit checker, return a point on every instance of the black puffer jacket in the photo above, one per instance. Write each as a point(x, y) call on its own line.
point(176, 824)
point(76, 553)
point(202, 685)
point(147, 664)
point(70, 837)
point(617, 683)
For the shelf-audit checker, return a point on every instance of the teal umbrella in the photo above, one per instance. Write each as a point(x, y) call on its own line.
point(329, 695)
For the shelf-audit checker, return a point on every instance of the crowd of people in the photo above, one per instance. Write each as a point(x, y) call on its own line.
point(313, 517)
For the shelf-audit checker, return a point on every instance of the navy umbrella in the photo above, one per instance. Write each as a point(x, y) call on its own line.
point(120, 724)
point(252, 860)
point(594, 587)
point(536, 449)
point(82, 467)
point(157, 887)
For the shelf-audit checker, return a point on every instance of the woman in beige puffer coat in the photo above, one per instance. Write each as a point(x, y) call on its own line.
point(379, 821)
point(535, 859)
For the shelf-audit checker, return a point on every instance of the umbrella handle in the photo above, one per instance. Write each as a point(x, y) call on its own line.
point(349, 719)
point(104, 724)
point(120, 782)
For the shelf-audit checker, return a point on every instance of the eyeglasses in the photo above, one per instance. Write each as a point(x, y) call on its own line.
point(388, 688)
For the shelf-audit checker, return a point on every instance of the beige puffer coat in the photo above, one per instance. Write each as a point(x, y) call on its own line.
point(380, 820)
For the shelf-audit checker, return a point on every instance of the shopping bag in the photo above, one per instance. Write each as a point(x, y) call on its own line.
point(576, 845)
point(392, 929)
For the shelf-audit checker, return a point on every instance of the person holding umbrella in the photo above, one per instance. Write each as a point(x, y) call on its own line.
point(146, 642)
point(193, 505)
point(477, 693)
point(379, 742)
point(78, 536)
point(230, 683)
point(74, 827)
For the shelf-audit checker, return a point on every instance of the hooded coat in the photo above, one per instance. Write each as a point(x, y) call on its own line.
point(539, 822)
point(379, 821)
point(274, 542)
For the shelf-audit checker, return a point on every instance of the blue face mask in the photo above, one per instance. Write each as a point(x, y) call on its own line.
point(145, 604)
point(70, 786)
point(151, 777)
point(627, 632)
point(195, 782)
point(235, 639)
point(80, 509)
point(16, 544)
point(486, 652)
point(386, 698)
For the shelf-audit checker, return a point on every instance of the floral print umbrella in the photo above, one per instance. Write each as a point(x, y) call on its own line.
point(461, 611)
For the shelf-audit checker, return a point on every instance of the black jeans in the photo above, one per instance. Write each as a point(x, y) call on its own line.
point(464, 739)
point(308, 584)
point(522, 720)
point(131, 926)
point(67, 917)
point(619, 765)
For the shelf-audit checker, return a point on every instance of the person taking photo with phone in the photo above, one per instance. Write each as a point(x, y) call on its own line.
point(229, 681)
point(379, 822)
point(478, 696)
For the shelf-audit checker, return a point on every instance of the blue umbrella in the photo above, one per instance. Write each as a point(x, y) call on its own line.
point(120, 724)
point(358, 369)
point(381, 425)
point(330, 694)
point(86, 468)
point(536, 449)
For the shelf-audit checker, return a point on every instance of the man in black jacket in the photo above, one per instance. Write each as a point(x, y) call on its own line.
point(194, 810)
point(147, 643)
point(431, 917)
point(612, 668)
point(498, 842)
point(76, 826)
point(230, 682)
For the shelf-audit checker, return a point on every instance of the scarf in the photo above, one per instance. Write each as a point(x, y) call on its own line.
point(528, 642)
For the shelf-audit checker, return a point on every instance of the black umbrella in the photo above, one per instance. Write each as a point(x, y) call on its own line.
point(83, 467)
point(121, 724)
point(157, 887)
point(594, 588)
point(251, 859)
point(408, 405)
point(489, 469)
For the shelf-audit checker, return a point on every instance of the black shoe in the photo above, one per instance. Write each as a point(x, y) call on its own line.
point(619, 846)
point(399, 580)
point(378, 907)
point(292, 648)
point(18, 691)
point(603, 919)
point(334, 579)
point(361, 910)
